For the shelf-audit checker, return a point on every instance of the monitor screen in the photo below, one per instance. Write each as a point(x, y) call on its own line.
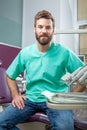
point(82, 57)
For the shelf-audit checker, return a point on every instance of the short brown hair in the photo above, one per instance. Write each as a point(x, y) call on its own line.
point(44, 14)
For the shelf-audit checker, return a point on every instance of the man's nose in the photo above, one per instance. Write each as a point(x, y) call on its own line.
point(44, 30)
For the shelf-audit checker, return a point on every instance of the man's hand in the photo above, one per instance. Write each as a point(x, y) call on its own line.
point(80, 76)
point(83, 79)
point(18, 101)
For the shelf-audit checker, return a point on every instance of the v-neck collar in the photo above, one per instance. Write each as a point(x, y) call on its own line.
point(46, 52)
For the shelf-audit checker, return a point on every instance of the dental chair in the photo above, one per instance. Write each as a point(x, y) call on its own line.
point(5, 98)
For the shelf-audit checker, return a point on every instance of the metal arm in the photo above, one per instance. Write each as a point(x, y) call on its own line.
point(80, 76)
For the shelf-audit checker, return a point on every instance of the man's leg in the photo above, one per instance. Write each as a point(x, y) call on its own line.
point(11, 116)
point(61, 119)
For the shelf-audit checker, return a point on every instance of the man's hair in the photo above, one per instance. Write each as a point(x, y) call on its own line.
point(44, 14)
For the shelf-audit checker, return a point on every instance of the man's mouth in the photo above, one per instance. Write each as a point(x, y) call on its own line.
point(43, 36)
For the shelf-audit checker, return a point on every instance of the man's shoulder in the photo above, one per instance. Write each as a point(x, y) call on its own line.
point(61, 46)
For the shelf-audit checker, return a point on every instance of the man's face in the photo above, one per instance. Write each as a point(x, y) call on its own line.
point(44, 31)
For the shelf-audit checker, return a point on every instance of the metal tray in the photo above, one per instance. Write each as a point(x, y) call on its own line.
point(68, 101)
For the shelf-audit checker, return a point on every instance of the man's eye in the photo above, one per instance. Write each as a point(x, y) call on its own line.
point(40, 27)
point(48, 27)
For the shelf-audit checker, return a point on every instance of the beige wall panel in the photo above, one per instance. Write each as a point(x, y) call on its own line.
point(82, 9)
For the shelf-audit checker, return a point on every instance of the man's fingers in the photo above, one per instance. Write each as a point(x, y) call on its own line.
point(19, 101)
point(24, 97)
point(13, 103)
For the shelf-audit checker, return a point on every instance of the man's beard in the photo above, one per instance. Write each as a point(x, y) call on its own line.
point(42, 40)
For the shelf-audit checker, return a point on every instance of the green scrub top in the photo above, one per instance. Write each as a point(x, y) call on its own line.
point(44, 70)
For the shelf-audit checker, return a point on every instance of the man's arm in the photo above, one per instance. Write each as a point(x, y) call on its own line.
point(18, 100)
point(79, 88)
point(79, 77)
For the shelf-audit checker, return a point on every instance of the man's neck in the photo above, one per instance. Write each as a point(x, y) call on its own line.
point(43, 48)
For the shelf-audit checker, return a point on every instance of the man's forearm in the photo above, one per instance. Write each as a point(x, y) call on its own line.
point(79, 88)
point(12, 86)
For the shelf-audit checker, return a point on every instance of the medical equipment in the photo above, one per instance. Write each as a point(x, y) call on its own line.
point(80, 76)
point(62, 101)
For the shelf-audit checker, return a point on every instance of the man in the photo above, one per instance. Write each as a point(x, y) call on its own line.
point(45, 63)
